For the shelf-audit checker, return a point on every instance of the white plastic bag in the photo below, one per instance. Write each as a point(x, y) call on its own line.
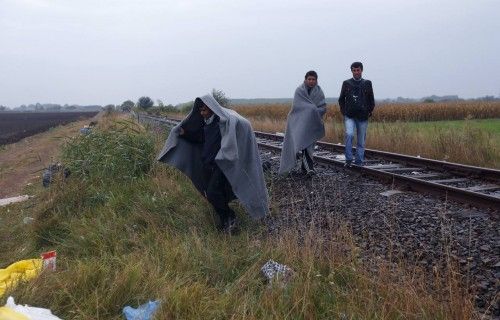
point(18, 312)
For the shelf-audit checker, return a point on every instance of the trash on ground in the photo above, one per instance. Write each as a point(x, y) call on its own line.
point(281, 134)
point(86, 130)
point(28, 220)
point(389, 193)
point(49, 173)
point(20, 270)
point(143, 312)
point(340, 156)
point(49, 260)
point(13, 311)
point(7, 201)
point(273, 270)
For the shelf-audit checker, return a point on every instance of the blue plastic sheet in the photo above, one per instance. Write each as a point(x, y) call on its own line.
point(143, 312)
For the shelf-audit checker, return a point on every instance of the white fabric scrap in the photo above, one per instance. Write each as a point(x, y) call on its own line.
point(273, 270)
point(32, 313)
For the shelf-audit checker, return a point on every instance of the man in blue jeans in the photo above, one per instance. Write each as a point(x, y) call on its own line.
point(356, 105)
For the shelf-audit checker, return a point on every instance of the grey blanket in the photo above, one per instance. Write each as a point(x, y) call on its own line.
point(304, 125)
point(238, 157)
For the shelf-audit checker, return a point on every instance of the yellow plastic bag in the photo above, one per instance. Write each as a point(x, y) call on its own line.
point(20, 270)
point(7, 313)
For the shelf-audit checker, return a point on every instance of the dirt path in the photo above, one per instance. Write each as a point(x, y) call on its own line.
point(23, 162)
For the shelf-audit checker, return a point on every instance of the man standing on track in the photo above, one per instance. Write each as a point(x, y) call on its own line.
point(304, 125)
point(356, 103)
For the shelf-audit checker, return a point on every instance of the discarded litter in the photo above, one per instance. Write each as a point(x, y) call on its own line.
point(48, 174)
point(24, 270)
point(49, 260)
point(28, 220)
point(389, 193)
point(20, 270)
point(340, 157)
point(13, 311)
point(86, 130)
point(7, 201)
point(281, 134)
point(143, 312)
point(273, 270)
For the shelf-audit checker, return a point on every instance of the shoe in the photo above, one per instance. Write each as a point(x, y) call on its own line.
point(311, 173)
point(359, 164)
point(348, 164)
point(231, 226)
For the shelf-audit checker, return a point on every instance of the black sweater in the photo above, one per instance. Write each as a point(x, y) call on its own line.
point(211, 138)
point(368, 98)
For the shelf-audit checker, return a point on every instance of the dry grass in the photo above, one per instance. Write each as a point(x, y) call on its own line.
point(154, 238)
point(466, 143)
point(389, 112)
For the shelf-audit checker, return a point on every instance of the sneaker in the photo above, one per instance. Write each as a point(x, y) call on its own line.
point(348, 164)
point(311, 173)
point(231, 226)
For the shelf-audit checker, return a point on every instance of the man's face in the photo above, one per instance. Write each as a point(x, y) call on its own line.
point(205, 112)
point(356, 72)
point(311, 81)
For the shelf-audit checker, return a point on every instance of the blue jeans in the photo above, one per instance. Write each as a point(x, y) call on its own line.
point(361, 126)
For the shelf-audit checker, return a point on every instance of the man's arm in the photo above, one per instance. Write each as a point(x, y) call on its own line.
point(342, 98)
point(191, 136)
point(370, 99)
point(322, 110)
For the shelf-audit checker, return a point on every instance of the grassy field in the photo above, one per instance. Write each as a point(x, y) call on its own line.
point(428, 130)
point(128, 230)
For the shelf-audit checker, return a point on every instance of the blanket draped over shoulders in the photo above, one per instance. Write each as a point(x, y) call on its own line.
point(304, 124)
point(238, 157)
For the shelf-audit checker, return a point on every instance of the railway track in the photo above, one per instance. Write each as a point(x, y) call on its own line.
point(467, 184)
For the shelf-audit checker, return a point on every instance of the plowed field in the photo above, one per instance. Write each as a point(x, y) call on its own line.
point(15, 126)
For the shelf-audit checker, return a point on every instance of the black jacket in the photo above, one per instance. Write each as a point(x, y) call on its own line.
point(346, 107)
point(207, 134)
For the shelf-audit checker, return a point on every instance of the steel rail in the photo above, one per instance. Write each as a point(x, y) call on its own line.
point(462, 195)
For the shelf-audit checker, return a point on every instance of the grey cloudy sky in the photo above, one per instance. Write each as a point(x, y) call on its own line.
point(100, 52)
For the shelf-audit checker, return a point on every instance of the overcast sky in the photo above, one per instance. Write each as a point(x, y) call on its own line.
point(101, 52)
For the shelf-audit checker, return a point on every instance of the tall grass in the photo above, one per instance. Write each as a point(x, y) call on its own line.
point(390, 130)
point(389, 112)
point(124, 242)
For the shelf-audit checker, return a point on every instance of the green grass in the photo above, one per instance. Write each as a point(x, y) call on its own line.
point(124, 239)
point(487, 125)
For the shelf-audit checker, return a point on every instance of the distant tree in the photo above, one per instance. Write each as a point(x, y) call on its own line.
point(145, 103)
point(429, 100)
point(109, 108)
point(70, 108)
point(3, 108)
point(160, 103)
point(221, 98)
point(55, 107)
point(185, 107)
point(127, 105)
point(38, 107)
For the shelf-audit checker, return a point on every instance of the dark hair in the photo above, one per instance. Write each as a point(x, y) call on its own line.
point(311, 73)
point(357, 64)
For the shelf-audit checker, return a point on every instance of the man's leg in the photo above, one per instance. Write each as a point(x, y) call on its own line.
point(361, 127)
point(218, 197)
point(349, 134)
point(307, 161)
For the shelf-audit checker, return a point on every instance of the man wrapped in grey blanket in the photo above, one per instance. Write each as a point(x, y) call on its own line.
point(216, 148)
point(304, 125)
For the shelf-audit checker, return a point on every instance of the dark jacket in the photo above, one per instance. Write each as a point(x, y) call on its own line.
point(347, 108)
point(209, 135)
